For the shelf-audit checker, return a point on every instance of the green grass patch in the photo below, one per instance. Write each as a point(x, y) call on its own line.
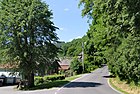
point(47, 85)
point(72, 77)
point(57, 83)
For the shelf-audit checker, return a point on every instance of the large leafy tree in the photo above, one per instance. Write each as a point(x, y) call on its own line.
point(76, 66)
point(27, 35)
point(114, 34)
point(96, 42)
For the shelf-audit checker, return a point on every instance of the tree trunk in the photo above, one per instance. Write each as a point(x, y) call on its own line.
point(30, 80)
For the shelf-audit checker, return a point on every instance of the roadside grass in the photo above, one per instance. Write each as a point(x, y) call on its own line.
point(57, 83)
point(112, 83)
point(124, 87)
point(48, 85)
point(72, 77)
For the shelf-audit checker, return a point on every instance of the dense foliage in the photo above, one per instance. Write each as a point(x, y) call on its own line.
point(27, 35)
point(73, 48)
point(76, 66)
point(40, 80)
point(114, 35)
point(53, 77)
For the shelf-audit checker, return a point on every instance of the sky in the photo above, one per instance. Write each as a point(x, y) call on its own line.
point(67, 17)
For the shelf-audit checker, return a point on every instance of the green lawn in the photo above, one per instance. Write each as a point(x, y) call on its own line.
point(58, 83)
point(72, 78)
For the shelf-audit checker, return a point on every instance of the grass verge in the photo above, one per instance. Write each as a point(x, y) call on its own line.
point(123, 87)
point(57, 83)
point(72, 77)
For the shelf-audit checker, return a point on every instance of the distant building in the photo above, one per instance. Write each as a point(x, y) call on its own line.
point(65, 64)
point(6, 76)
point(6, 70)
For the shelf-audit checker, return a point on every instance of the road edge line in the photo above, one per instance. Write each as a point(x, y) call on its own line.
point(83, 75)
point(113, 87)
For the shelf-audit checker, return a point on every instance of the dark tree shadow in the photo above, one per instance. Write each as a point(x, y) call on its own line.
point(103, 65)
point(109, 76)
point(47, 85)
point(82, 84)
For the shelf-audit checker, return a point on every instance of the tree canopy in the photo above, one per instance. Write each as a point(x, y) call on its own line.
point(73, 48)
point(27, 35)
point(114, 35)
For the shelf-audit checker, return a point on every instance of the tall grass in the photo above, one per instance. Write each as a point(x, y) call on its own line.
point(124, 87)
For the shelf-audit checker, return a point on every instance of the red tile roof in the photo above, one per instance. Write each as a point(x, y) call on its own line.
point(64, 67)
point(65, 64)
point(8, 66)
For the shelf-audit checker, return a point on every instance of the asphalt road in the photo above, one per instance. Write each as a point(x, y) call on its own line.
point(92, 83)
point(11, 90)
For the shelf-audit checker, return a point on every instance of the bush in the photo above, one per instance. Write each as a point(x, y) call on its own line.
point(68, 73)
point(76, 66)
point(38, 80)
point(53, 77)
point(61, 77)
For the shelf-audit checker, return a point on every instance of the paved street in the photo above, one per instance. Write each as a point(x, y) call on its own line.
point(10, 90)
point(93, 83)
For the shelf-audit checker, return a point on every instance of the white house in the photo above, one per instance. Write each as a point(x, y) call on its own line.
point(6, 73)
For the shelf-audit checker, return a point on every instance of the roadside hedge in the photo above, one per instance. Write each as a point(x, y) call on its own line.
point(53, 77)
point(39, 80)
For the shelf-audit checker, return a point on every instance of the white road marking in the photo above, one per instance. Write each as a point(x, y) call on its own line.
point(84, 75)
point(112, 87)
point(70, 82)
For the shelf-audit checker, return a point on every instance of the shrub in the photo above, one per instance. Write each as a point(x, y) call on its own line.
point(76, 66)
point(61, 77)
point(53, 77)
point(68, 73)
point(38, 80)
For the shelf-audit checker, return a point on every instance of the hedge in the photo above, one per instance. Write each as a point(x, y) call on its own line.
point(53, 77)
point(38, 80)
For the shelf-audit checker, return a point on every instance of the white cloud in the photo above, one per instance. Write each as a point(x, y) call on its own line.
point(69, 40)
point(66, 9)
point(78, 37)
point(74, 38)
point(61, 28)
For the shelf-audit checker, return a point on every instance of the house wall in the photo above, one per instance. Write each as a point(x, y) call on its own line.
point(7, 73)
point(10, 79)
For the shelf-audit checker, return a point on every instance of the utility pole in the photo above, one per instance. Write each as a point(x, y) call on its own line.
point(83, 55)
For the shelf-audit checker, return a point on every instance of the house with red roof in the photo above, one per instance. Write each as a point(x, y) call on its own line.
point(64, 64)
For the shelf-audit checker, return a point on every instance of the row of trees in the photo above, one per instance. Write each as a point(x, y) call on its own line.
point(74, 49)
point(27, 36)
point(114, 35)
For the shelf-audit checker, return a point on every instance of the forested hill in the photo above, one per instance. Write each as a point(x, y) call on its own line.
point(73, 48)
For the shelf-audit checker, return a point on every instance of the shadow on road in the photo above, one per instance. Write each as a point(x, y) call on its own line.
point(109, 76)
point(82, 84)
